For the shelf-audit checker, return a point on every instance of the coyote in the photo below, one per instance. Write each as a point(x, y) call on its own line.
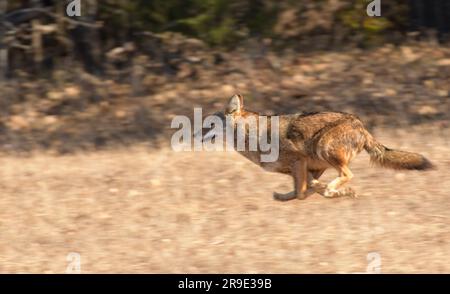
point(310, 143)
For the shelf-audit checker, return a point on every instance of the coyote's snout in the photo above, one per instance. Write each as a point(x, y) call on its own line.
point(310, 143)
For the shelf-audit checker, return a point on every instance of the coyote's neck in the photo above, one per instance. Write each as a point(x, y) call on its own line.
point(253, 132)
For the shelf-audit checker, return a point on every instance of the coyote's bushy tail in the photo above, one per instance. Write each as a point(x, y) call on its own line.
point(395, 159)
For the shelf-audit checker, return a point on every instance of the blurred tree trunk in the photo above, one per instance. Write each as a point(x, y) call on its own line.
point(87, 38)
point(93, 35)
point(60, 24)
point(3, 47)
point(36, 40)
point(137, 74)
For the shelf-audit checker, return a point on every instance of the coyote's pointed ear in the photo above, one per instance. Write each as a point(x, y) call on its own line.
point(235, 105)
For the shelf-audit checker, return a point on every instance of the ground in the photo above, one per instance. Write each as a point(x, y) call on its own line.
point(142, 210)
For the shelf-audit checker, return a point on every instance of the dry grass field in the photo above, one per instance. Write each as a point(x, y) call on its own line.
point(86, 106)
point(140, 210)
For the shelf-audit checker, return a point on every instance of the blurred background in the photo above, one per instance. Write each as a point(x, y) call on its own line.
point(86, 104)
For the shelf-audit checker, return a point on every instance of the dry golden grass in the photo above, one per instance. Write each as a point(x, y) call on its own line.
point(156, 211)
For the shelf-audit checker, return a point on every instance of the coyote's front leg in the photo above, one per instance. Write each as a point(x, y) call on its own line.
point(314, 185)
point(300, 175)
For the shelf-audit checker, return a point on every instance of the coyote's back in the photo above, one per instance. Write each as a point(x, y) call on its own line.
point(337, 137)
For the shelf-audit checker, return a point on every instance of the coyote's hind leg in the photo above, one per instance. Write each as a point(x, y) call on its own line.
point(314, 185)
point(313, 176)
point(345, 175)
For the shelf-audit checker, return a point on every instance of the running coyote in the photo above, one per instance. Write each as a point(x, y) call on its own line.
point(310, 143)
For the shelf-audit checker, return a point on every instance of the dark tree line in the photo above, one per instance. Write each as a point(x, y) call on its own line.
point(431, 14)
point(36, 36)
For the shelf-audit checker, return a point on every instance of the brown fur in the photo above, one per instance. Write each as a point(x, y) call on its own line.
point(310, 143)
point(395, 159)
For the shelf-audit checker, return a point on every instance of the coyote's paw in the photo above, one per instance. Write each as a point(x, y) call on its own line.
point(349, 192)
point(309, 192)
point(332, 193)
point(318, 187)
point(284, 197)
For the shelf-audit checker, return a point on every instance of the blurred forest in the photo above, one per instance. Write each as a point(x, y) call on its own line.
point(57, 72)
point(37, 36)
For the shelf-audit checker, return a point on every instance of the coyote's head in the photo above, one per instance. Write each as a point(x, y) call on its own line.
point(234, 109)
point(244, 131)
